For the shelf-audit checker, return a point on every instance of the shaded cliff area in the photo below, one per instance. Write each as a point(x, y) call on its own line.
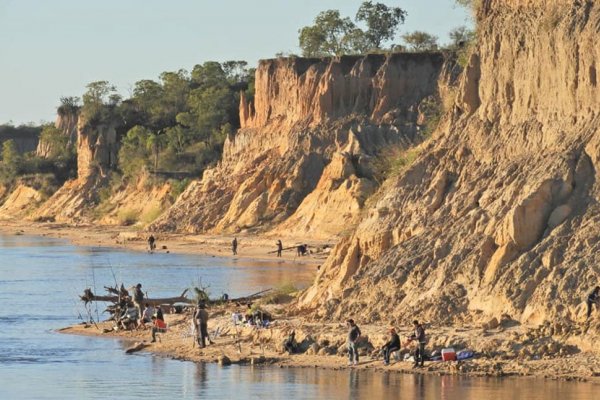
point(498, 215)
point(302, 162)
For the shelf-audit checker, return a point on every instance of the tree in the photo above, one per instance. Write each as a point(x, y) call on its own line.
point(11, 159)
point(460, 37)
point(326, 36)
point(69, 105)
point(154, 143)
point(382, 22)
point(421, 41)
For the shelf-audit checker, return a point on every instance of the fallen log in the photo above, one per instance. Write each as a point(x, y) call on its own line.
point(284, 249)
point(88, 296)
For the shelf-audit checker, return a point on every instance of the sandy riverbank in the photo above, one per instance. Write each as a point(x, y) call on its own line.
point(500, 352)
point(249, 245)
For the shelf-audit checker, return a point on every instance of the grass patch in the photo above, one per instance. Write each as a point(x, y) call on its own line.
point(280, 294)
point(127, 217)
point(151, 215)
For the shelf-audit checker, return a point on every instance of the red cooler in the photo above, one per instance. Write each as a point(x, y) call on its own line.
point(448, 354)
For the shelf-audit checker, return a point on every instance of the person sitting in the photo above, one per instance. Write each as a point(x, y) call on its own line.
point(392, 345)
point(290, 344)
point(129, 318)
point(158, 326)
point(146, 316)
point(159, 313)
point(301, 249)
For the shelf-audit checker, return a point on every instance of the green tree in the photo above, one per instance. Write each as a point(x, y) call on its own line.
point(11, 159)
point(460, 37)
point(69, 105)
point(326, 37)
point(155, 143)
point(133, 154)
point(57, 142)
point(382, 22)
point(420, 41)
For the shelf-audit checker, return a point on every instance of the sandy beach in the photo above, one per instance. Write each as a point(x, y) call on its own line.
point(131, 238)
point(251, 346)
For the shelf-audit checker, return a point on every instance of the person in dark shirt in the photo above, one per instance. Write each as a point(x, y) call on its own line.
point(279, 248)
point(419, 337)
point(151, 243)
point(234, 245)
point(392, 345)
point(353, 335)
point(593, 298)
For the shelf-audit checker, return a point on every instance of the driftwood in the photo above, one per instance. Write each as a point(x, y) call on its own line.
point(285, 248)
point(88, 296)
point(136, 347)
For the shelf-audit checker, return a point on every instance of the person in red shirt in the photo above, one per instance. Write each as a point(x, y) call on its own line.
point(158, 326)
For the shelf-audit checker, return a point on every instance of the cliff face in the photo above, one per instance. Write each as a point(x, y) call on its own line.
point(499, 213)
point(304, 147)
point(96, 153)
point(67, 124)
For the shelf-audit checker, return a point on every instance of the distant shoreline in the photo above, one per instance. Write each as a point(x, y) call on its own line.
point(250, 246)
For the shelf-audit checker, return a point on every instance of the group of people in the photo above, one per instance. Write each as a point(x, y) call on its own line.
point(392, 345)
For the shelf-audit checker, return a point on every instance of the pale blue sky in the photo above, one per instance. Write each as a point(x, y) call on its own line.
point(53, 48)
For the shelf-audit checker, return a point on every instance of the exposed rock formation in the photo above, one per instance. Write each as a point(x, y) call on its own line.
point(499, 213)
point(67, 124)
point(302, 153)
point(20, 201)
point(140, 202)
point(96, 153)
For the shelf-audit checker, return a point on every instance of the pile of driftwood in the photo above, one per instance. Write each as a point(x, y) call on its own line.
point(122, 300)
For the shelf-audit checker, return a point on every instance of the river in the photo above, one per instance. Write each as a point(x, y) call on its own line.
point(40, 279)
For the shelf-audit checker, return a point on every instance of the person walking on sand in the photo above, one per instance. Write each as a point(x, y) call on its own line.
point(593, 298)
point(201, 319)
point(353, 335)
point(151, 244)
point(234, 245)
point(419, 337)
point(279, 248)
point(391, 346)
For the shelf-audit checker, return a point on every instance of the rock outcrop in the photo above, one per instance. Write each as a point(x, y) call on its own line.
point(96, 154)
point(66, 123)
point(300, 164)
point(499, 213)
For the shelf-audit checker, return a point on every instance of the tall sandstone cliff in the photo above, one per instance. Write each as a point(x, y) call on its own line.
point(300, 164)
point(499, 213)
point(96, 154)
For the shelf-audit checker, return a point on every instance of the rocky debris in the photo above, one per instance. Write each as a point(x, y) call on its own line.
point(224, 360)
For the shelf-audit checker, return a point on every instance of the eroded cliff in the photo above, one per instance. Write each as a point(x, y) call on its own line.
point(300, 164)
point(96, 154)
point(499, 213)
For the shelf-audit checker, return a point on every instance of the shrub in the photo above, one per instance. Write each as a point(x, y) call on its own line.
point(127, 217)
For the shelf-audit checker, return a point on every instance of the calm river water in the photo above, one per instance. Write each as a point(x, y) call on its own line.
point(40, 279)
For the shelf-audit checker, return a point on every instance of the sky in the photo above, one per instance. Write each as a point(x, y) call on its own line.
point(50, 49)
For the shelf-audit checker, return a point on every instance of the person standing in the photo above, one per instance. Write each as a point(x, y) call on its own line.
point(201, 319)
point(392, 345)
point(279, 248)
point(593, 298)
point(234, 245)
point(353, 335)
point(419, 337)
point(138, 299)
point(151, 243)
